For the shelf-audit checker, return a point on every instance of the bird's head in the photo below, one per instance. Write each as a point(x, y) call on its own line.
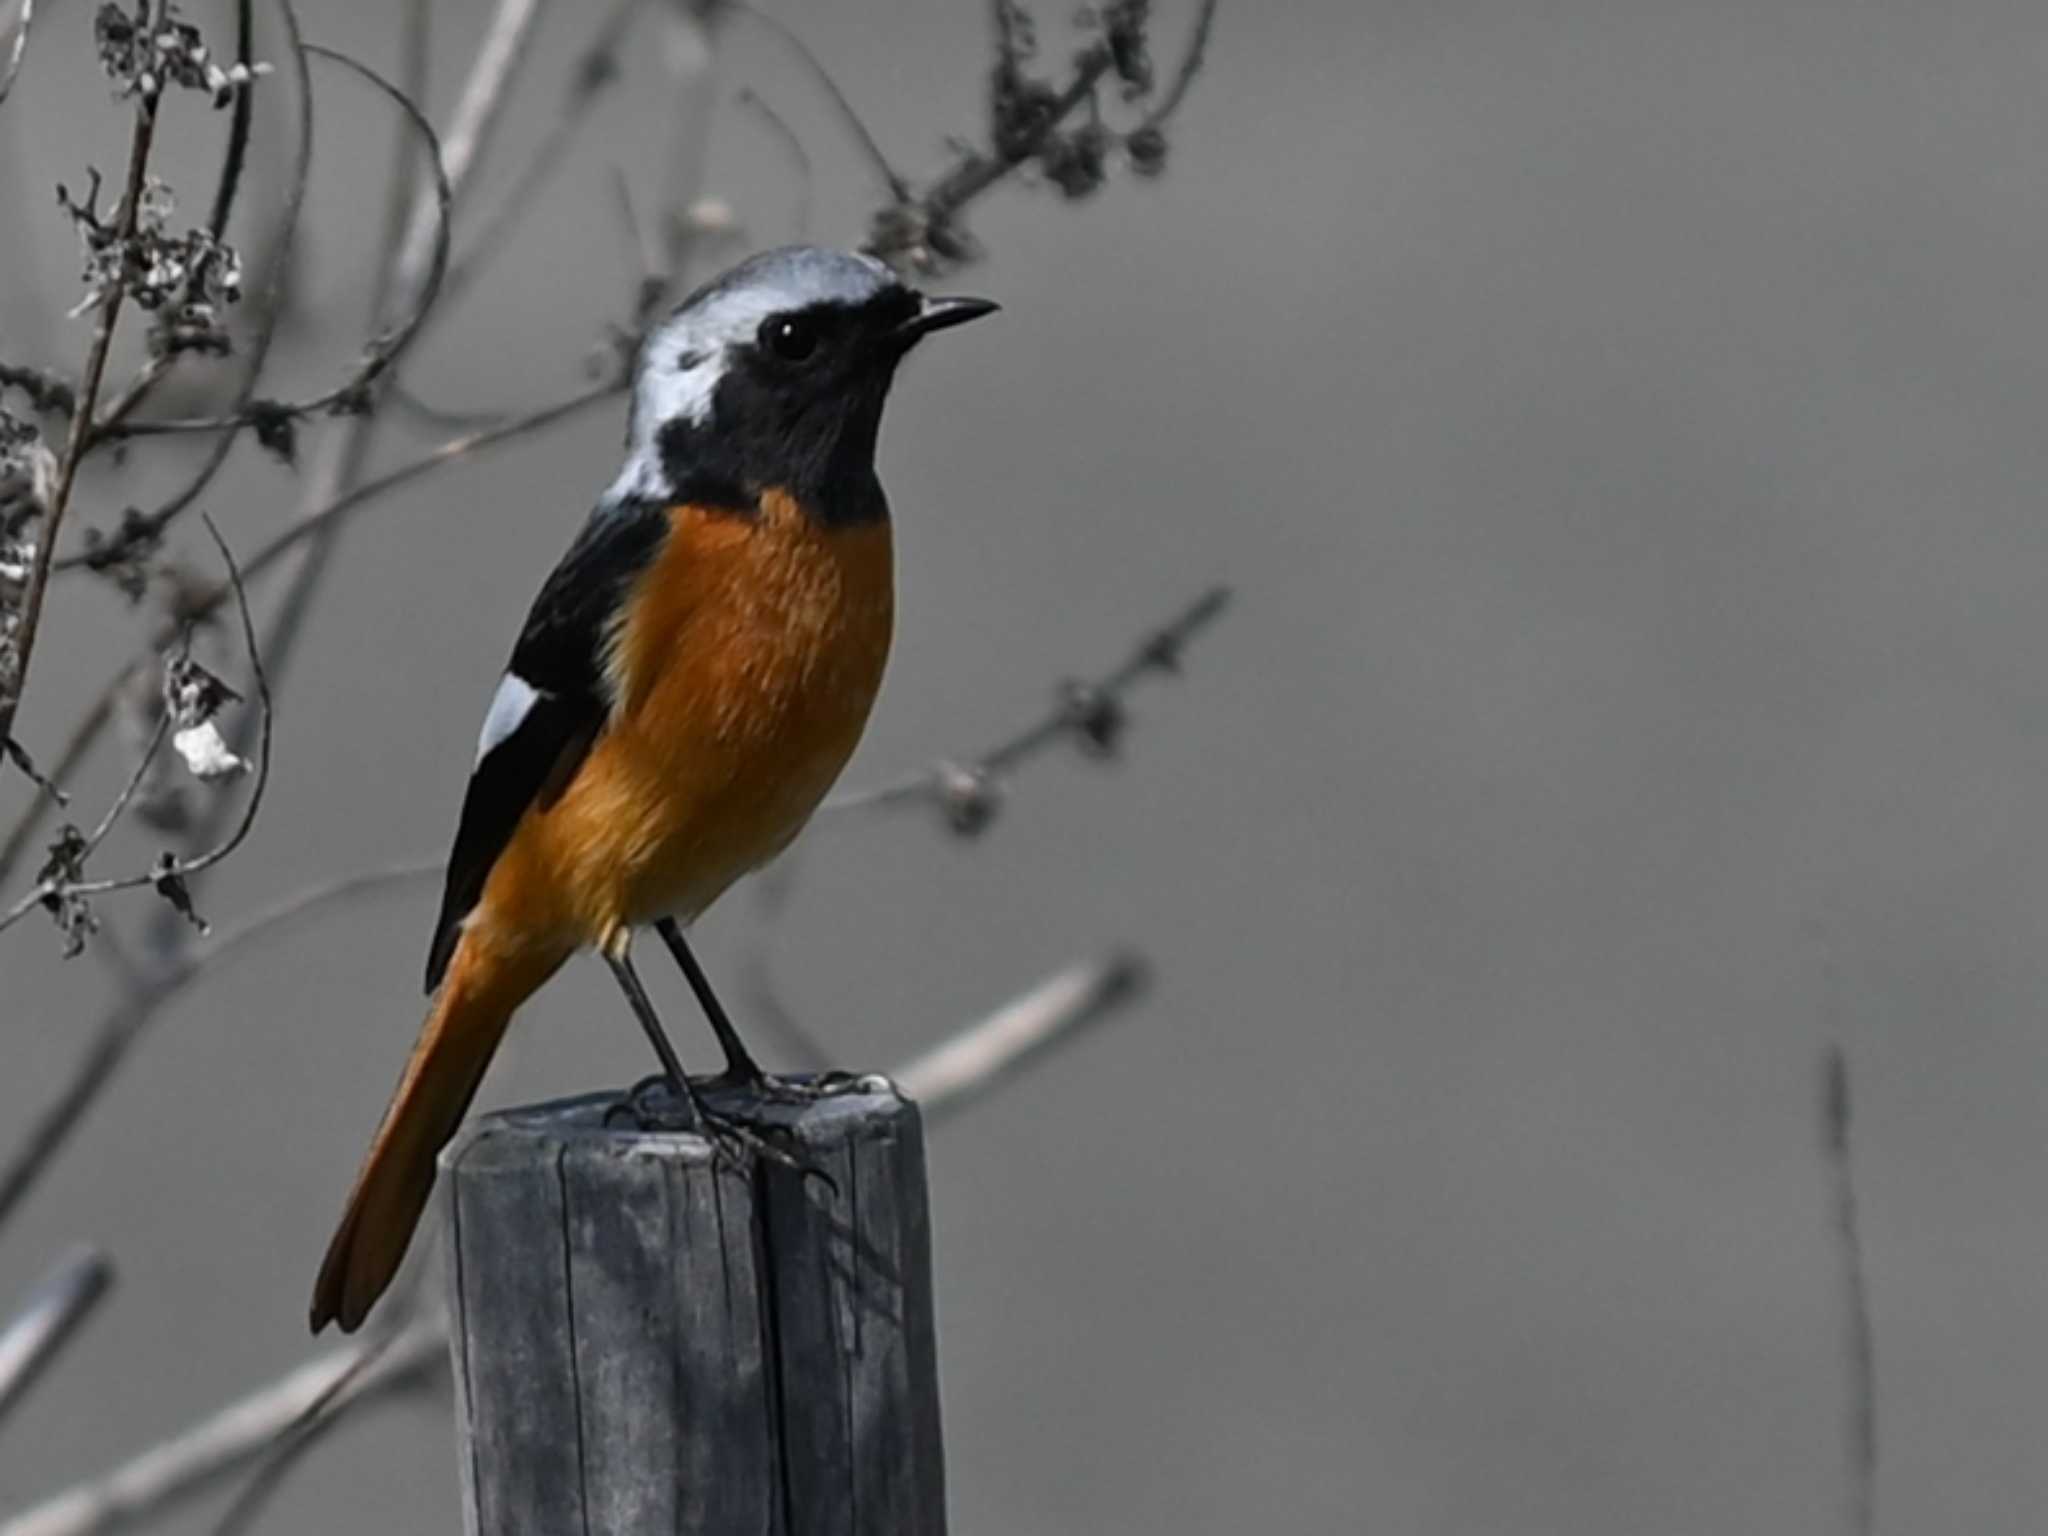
point(772, 375)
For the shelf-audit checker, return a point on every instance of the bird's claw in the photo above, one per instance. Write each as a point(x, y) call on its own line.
point(652, 1104)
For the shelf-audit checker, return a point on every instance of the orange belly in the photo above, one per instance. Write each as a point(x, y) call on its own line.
point(743, 679)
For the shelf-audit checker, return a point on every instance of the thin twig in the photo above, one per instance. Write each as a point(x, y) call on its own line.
point(67, 1295)
point(122, 1026)
point(403, 187)
point(595, 69)
point(30, 621)
point(956, 1072)
point(238, 128)
point(416, 1343)
point(1184, 75)
point(171, 1472)
point(328, 517)
point(415, 273)
point(353, 394)
point(17, 754)
point(120, 802)
point(142, 533)
point(899, 187)
point(18, 47)
point(1859, 1338)
point(1094, 714)
point(169, 874)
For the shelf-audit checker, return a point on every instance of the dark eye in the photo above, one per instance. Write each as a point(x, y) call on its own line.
point(790, 337)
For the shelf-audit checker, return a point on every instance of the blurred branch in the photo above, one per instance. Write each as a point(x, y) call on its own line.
point(898, 187)
point(366, 1370)
point(354, 394)
point(17, 754)
point(594, 71)
point(955, 1073)
point(18, 648)
point(1859, 1340)
point(414, 1353)
point(55, 1309)
point(122, 1026)
point(1092, 714)
point(24, 17)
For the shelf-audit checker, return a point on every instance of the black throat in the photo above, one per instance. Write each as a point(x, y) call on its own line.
point(810, 431)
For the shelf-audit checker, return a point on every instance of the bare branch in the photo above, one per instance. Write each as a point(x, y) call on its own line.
point(143, 761)
point(958, 1071)
point(352, 395)
point(595, 70)
point(1859, 1339)
point(420, 1350)
point(20, 643)
point(25, 15)
point(1093, 714)
point(123, 1025)
point(322, 519)
point(140, 534)
point(17, 754)
point(62, 890)
point(238, 127)
point(899, 188)
point(67, 1295)
point(1183, 77)
point(359, 1372)
point(1027, 127)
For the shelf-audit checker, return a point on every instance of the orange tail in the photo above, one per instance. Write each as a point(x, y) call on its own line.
point(462, 1031)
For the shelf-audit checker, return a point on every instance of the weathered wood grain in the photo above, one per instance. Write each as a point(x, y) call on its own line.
point(647, 1340)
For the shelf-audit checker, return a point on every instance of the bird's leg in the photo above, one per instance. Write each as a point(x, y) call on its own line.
point(740, 1066)
point(728, 1136)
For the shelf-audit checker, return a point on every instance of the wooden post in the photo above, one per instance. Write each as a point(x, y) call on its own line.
point(647, 1340)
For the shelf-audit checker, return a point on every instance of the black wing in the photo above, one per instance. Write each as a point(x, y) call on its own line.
point(541, 740)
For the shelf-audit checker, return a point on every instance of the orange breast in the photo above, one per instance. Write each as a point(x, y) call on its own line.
point(744, 673)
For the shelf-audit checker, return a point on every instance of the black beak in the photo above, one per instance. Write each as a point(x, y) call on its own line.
point(938, 314)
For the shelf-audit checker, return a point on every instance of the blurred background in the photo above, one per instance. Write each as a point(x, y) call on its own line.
point(1621, 424)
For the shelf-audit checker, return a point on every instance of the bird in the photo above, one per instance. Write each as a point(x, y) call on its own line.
point(688, 684)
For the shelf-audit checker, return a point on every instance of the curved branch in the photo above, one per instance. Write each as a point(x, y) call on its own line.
point(342, 508)
point(20, 46)
point(142, 532)
point(384, 350)
point(169, 874)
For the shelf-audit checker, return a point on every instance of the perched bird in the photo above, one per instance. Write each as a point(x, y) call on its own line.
point(690, 681)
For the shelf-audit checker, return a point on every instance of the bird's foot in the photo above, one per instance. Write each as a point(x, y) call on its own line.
point(652, 1104)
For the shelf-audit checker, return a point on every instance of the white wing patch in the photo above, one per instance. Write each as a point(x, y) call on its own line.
point(509, 705)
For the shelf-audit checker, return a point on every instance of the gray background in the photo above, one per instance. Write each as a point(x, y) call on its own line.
point(1623, 425)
